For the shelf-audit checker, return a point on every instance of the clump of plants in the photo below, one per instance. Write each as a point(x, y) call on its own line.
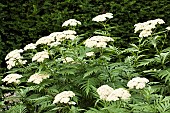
point(65, 72)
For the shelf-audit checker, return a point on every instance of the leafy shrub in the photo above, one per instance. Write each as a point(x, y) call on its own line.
point(39, 77)
point(23, 21)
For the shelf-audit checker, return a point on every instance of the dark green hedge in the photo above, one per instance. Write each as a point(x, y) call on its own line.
point(24, 21)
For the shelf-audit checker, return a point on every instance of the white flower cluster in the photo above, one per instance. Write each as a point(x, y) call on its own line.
point(40, 56)
point(14, 58)
point(119, 93)
point(71, 22)
point(102, 17)
point(168, 28)
point(12, 78)
point(61, 36)
point(138, 83)
point(109, 94)
point(146, 27)
point(64, 97)
point(37, 78)
point(45, 40)
point(67, 59)
point(90, 54)
point(104, 91)
point(30, 46)
point(97, 41)
point(54, 44)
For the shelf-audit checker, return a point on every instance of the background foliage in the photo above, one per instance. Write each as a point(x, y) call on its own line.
point(23, 21)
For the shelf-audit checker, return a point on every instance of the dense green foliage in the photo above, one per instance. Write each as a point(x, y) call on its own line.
point(107, 81)
point(25, 21)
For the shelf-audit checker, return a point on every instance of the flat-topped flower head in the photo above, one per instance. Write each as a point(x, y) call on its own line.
point(58, 36)
point(30, 46)
point(147, 27)
point(61, 36)
point(54, 44)
point(71, 22)
point(64, 97)
point(12, 78)
point(104, 91)
point(37, 78)
point(138, 83)
point(168, 28)
point(117, 94)
point(69, 32)
point(90, 54)
point(15, 54)
point(102, 17)
point(40, 56)
point(109, 94)
point(108, 15)
point(45, 40)
point(97, 41)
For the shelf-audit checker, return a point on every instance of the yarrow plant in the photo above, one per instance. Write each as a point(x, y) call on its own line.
point(64, 72)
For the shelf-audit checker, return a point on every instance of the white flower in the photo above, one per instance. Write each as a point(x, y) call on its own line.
point(14, 58)
point(90, 43)
point(65, 100)
point(13, 62)
point(69, 32)
point(14, 54)
point(138, 83)
point(117, 94)
point(108, 15)
point(101, 38)
point(10, 63)
point(104, 91)
point(67, 59)
point(102, 17)
point(99, 18)
point(97, 41)
point(30, 46)
point(168, 28)
point(45, 40)
point(37, 78)
point(72, 103)
point(64, 97)
point(72, 37)
point(71, 22)
point(101, 44)
point(12, 78)
point(40, 56)
point(146, 27)
point(112, 97)
point(160, 21)
point(90, 54)
point(59, 36)
point(145, 33)
point(54, 44)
